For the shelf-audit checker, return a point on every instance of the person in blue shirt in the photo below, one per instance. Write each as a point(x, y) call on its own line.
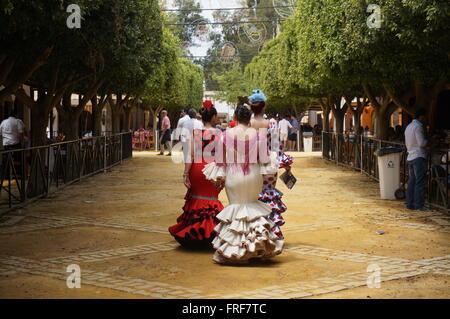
point(293, 131)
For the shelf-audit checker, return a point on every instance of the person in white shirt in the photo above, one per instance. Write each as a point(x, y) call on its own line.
point(284, 127)
point(192, 123)
point(11, 131)
point(199, 123)
point(178, 132)
point(187, 129)
point(416, 142)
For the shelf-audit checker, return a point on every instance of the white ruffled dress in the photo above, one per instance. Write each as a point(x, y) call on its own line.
point(245, 230)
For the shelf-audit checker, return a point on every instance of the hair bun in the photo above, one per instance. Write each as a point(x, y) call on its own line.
point(208, 113)
point(243, 113)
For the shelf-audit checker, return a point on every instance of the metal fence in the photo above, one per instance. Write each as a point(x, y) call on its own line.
point(31, 173)
point(358, 152)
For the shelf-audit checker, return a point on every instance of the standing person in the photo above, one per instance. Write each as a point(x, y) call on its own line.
point(416, 142)
point(284, 127)
point(192, 123)
point(245, 229)
point(12, 132)
point(272, 121)
point(292, 138)
point(269, 194)
point(195, 227)
point(165, 134)
point(187, 128)
point(183, 118)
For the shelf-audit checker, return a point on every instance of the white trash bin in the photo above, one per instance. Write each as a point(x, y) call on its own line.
point(307, 141)
point(389, 172)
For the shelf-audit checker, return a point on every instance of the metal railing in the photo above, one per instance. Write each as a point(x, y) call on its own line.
point(36, 172)
point(358, 152)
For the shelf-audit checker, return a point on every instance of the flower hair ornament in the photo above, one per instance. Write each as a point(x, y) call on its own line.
point(208, 104)
point(257, 96)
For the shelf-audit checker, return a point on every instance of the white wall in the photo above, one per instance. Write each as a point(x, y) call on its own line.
point(221, 107)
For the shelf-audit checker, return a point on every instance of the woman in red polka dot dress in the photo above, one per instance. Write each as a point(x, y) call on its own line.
point(269, 194)
point(195, 227)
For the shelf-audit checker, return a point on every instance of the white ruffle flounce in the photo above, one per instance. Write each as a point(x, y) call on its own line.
point(245, 232)
point(212, 171)
point(271, 167)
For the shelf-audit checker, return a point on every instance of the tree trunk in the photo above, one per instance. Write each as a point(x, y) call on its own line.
point(383, 108)
point(326, 115)
point(96, 117)
point(357, 118)
point(72, 131)
point(423, 97)
point(381, 123)
point(97, 111)
point(117, 109)
point(70, 116)
point(71, 125)
point(326, 120)
point(115, 120)
point(338, 112)
point(39, 120)
point(127, 119)
point(339, 121)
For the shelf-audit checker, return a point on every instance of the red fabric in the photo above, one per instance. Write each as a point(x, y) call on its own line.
point(207, 104)
point(198, 220)
point(233, 123)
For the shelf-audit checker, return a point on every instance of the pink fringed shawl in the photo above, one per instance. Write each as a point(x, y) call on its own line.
point(238, 154)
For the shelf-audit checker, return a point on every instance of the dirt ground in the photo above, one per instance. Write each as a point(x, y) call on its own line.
point(114, 227)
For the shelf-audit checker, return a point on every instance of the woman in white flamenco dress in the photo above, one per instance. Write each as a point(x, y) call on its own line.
point(245, 229)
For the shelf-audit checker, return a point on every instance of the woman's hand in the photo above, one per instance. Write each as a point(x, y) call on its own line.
point(220, 182)
point(186, 181)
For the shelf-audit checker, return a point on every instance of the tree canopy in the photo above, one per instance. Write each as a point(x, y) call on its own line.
point(120, 54)
point(330, 51)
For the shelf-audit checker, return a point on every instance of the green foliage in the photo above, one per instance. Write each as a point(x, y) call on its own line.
point(232, 84)
point(239, 35)
point(189, 13)
point(326, 48)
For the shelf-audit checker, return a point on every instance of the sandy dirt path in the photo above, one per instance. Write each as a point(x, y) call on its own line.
point(114, 226)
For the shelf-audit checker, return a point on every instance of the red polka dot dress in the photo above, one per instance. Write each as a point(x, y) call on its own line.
point(269, 194)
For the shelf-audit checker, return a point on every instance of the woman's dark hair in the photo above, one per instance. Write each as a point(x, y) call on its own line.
point(243, 114)
point(257, 107)
point(207, 114)
point(241, 100)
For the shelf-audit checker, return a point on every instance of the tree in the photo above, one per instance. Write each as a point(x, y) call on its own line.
point(185, 20)
point(327, 50)
point(20, 54)
point(174, 83)
point(246, 38)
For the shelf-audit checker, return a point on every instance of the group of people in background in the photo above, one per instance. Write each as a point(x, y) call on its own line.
point(288, 127)
point(249, 227)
